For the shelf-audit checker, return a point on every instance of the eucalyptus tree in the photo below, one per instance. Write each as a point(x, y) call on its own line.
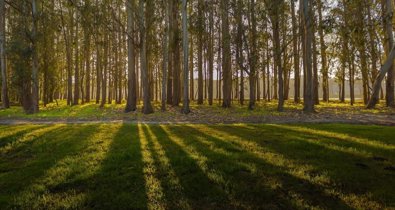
point(308, 32)
point(226, 55)
point(4, 83)
point(147, 107)
point(185, 108)
point(131, 103)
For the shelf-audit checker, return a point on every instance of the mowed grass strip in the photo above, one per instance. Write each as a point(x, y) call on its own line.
point(242, 166)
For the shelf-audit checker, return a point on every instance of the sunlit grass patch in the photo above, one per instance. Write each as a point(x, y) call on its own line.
point(240, 166)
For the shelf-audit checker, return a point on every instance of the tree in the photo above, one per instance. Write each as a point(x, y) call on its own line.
point(324, 63)
point(388, 66)
point(131, 103)
point(226, 53)
point(166, 32)
point(200, 32)
point(147, 107)
point(307, 24)
point(35, 93)
point(185, 108)
point(295, 54)
point(3, 65)
point(275, 9)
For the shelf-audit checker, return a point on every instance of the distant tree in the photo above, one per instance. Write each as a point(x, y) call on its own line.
point(4, 86)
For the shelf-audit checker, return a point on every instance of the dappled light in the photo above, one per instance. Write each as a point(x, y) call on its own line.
point(238, 166)
point(199, 104)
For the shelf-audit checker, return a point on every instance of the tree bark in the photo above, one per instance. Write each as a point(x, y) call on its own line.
point(307, 20)
point(35, 93)
point(185, 108)
point(226, 53)
point(131, 103)
point(147, 107)
point(4, 86)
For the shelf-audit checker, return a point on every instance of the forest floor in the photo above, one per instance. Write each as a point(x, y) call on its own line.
point(191, 166)
point(265, 112)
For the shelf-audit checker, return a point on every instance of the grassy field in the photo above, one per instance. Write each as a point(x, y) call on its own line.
point(120, 166)
point(200, 113)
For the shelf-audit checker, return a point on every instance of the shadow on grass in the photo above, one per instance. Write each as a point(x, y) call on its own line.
point(119, 183)
point(197, 187)
point(358, 178)
point(261, 183)
point(30, 161)
point(14, 136)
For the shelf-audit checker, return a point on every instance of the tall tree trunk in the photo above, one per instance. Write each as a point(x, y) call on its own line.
point(98, 72)
point(200, 51)
point(374, 99)
point(315, 68)
point(307, 20)
point(389, 43)
point(176, 56)
point(35, 93)
point(192, 86)
point(253, 57)
point(87, 65)
point(226, 53)
point(170, 73)
point(210, 55)
point(76, 65)
point(104, 73)
point(131, 103)
point(185, 108)
point(165, 56)
point(324, 65)
point(4, 88)
point(276, 8)
point(295, 54)
point(147, 107)
point(351, 79)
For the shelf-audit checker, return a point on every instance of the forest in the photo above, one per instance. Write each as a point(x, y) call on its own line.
point(197, 104)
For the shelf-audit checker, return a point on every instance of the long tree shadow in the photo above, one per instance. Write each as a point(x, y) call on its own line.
point(169, 185)
point(198, 188)
point(381, 134)
point(30, 161)
point(119, 183)
point(347, 171)
point(16, 134)
point(268, 184)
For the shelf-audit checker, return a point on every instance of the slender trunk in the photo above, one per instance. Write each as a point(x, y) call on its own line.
point(35, 93)
point(76, 66)
point(324, 65)
point(185, 108)
point(165, 57)
point(307, 19)
point(380, 77)
point(147, 107)
point(226, 53)
point(131, 103)
point(200, 51)
point(170, 73)
point(210, 55)
point(87, 66)
point(4, 87)
point(104, 74)
point(253, 57)
point(176, 57)
point(389, 43)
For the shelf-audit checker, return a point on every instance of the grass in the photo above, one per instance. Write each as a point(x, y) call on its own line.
point(242, 166)
point(200, 113)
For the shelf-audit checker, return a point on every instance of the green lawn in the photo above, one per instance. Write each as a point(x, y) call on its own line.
point(92, 111)
point(118, 166)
